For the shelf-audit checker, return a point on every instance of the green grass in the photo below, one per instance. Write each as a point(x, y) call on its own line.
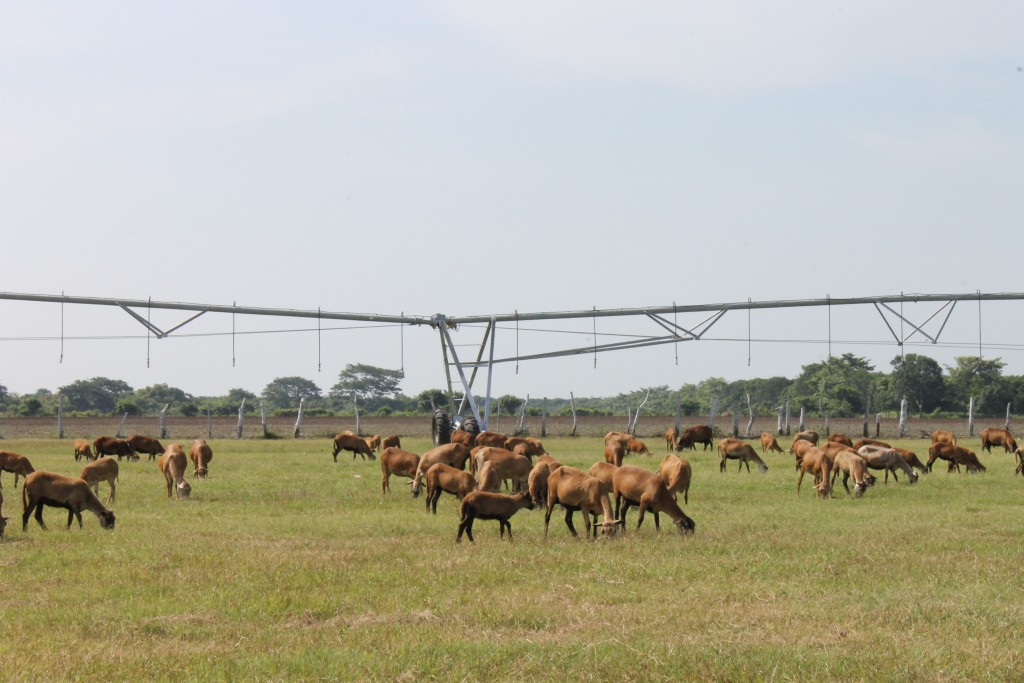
point(287, 566)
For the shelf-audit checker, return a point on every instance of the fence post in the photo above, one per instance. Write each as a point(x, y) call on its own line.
point(750, 410)
point(828, 429)
point(867, 411)
point(970, 418)
point(263, 419)
point(241, 412)
point(789, 413)
point(803, 413)
point(355, 406)
point(1007, 426)
point(209, 422)
point(735, 421)
point(878, 425)
point(543, 418)
point(714, 409)
point(572, 404)
point(163, 421)
point(60, 416)
point(120, 428)
point(903, 418)
point(679, 418)
point(298, 420)
point(778, 412)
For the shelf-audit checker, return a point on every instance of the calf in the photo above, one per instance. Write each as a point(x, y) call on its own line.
point(56, 490)
point(18, 464)
point(373, 442)
point(509, 466)
point(83, 450)
point(104, 469)
point(637, 446)
point(201, 454)
point(537, 483)
point(487, 505)
point(636, 486)
point(145, 444)
point(491, 439)
point(173, 463)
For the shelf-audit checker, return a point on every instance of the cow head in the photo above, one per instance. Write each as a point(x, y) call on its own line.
point(764, 468)
point(184, 489)
point(686, 525)
point(106, 519)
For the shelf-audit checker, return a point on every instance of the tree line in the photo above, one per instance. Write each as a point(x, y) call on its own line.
point(841, 386)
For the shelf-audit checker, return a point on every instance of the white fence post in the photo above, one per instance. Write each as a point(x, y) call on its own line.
point(241, 412)
point(803, 414)
point(60, 416)
point(163, 421)
point(970, 418)
point(209, 422)
point(903, 417)
point(120, 428)
point(572, 404)
point(789, 413)
point(298, 420)
point(750, 410)
point(1007, 426)
point(355, 406)
point(714, 409)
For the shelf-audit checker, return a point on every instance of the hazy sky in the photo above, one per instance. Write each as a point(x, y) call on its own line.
point(485, 157)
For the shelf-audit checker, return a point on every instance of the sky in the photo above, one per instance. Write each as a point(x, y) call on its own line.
point(473, 158)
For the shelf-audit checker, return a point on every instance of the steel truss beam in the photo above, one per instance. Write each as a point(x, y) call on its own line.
point(444, 324)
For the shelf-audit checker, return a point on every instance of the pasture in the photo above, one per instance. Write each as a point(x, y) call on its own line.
point(287, 566)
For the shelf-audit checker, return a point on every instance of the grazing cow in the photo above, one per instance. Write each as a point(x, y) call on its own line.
point(909, 457)
point(998, 437)
point(575, 490)
point(201, 455)
point(173, 463)
point(671, 438)
point(604, 471)
point(694, 435)
point(798, 448)
point(861, 443)
point(637, 446)
point(453, 454)
point(487, 505)
point(734, 449)
point(807, 435)
point(942, 436)
point(510, 466)
point(83, 450)
point(3, 520)
point(394, 460)
point(676, 473)
point(841, 438)
point(18, 464)
point(56, 490)
point(391, 440)
point(881, 458)
point(770, 443)
point(441, 477)
point(108, 445)
point(104, 469)
point(817, 463)
point(373, 442)
point(144, 444)
point(353, 443)
point(851, 465)
point(1020, 461)
point(955, 455)
point(633, 485)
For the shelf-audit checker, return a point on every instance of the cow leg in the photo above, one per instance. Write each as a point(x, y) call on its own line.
point(657, 521)
point(113, 491)
point(466, 526)
point(640, 516)
point(846, 479)
point(799, 480)
point(568, 522)
point(508, 524)
point(894, 477)
point(26, 514)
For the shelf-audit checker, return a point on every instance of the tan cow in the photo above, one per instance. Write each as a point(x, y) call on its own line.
point(201, 455)
point(770, 443)
point(173, 463)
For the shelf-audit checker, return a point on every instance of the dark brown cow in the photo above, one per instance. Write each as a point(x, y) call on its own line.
point(145, 444)
point(955, 455)
point(998, 437)
point(108, 445)
point(694, 435)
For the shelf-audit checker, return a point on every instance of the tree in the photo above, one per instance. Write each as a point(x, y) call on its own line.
point(918, 379)
point(509, 404)
point(99, 394)
point(981, 378)
point(367, 382)
point(30, 406)
point(154, 398)
point(428, 398)
point(838, 385)
point(126, 405)
point(5, 397)
point(286, 392)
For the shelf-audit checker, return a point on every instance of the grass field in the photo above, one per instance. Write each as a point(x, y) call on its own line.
point(287, 566)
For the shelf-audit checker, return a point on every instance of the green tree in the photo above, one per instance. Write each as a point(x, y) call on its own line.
point(30, 406)
point(426, 399)
point(509, 404)
point(5, 397)
point(837, 385)
point(99, 394)
point(286, 392)
point(367, 382)
point(153, 398)
point(981, 378)
point(126, 405)
point(919, 379)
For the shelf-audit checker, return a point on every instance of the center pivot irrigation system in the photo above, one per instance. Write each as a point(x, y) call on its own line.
point(663, 318)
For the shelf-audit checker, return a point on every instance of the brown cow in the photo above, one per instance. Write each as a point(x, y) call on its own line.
point(350, 442)
point(734, 449)
point(172, 463)
point(861, 443)
point(107, 445)
point(391, 440)
point(798, 448)
point(18, 464)
point(82, 450)
point(841, 438)
point(807, 435)
point(694, 435)
point(461, 436)
point(955, 455)
point(104, 469)
point(998, 437)
point(201, 455)
point(394, 460)
point(491, 439)
point(770, 443)
point(373, 442)
point(671, 438)
point(144, 444)
point(637, 446)
point(817, 463)
point(942, 436)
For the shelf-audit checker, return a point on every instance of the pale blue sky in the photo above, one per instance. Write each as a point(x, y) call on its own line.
point(470, 158)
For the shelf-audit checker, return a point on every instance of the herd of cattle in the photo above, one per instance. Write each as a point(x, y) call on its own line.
point(76, 494)
point(473, 465)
